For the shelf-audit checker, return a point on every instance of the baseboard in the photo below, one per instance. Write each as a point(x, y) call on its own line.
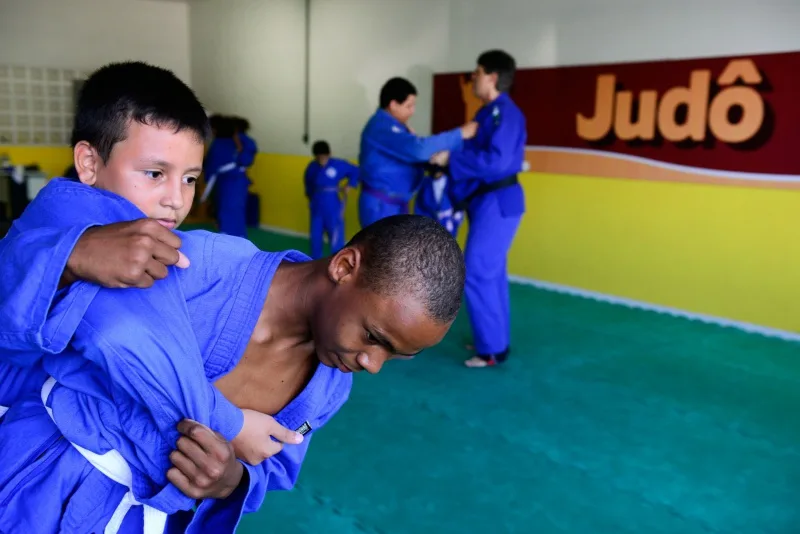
point(618, 301)
point(283, 231)
point(646, 306)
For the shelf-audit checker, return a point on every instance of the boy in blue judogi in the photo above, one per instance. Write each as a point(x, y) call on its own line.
point(155, 165)
point(484, 182)
point(326, 196)
point(392, 156)
point(157, 147)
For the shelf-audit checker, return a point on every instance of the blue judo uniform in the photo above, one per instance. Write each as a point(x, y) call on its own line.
point(433, 201)
point(322, 188)
point(225, 169)
point(35, 317)
point(248, 154)
point(483, 177)
point(139, 362)
point(391, 160)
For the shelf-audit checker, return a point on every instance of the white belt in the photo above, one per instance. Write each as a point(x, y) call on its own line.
point(226, 168)
point(114, 466)
point(211, 180)
point(209, 187)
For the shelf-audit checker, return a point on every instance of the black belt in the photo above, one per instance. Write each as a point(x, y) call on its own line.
point(485, 188)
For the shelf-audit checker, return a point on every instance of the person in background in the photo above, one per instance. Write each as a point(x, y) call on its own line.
point(223, 171)
point(484, 182)
point(326, 191)
point(392, 155)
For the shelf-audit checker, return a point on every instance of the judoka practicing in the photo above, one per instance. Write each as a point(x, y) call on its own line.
point(483, 180)
point(231, 153)
point(326, 196)
point(392, 156)
point(117, 398)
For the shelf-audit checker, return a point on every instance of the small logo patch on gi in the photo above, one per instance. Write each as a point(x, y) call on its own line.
point(304, 429)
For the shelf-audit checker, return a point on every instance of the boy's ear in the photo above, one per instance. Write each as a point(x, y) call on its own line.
point(344, 265)
point(87, 162)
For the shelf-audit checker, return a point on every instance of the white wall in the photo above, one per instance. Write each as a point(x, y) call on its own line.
point(247, 59)
point(85, 34)
point(247, 54)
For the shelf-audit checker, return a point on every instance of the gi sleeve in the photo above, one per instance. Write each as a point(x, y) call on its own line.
point(31, 265)
point(277, 473)
point(411, 148)
point(247, 156)
point(144, 342)
point(351, 172)
point(477, 162)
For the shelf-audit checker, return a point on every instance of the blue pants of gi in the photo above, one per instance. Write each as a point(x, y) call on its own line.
point(327, 217)
point(232, 206)
point(486, 290)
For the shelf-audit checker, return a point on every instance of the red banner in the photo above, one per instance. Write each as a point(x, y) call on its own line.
point(715, 120)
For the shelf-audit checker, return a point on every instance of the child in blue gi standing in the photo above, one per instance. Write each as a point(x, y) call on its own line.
point(326, 196)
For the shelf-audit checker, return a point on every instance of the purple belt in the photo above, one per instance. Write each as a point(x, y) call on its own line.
point(386, 197)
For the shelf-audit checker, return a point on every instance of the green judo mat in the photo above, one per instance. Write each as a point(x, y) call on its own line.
point(605, 420)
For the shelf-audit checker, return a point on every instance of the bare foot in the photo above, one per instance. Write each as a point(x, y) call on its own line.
point(475, 361)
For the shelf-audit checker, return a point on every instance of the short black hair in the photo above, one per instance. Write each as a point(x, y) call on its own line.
point(241, 125)
point(223, 127)
point(119, 93)
point(215, 121)
point(500, 62)
point(413, 254)
point(321, 148)
point(397, 89)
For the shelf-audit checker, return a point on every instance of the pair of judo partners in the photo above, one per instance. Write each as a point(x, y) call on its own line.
point(327, 179)
point(475, 170)
point(395, 162)
point(231, 152)
point(101, 383)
